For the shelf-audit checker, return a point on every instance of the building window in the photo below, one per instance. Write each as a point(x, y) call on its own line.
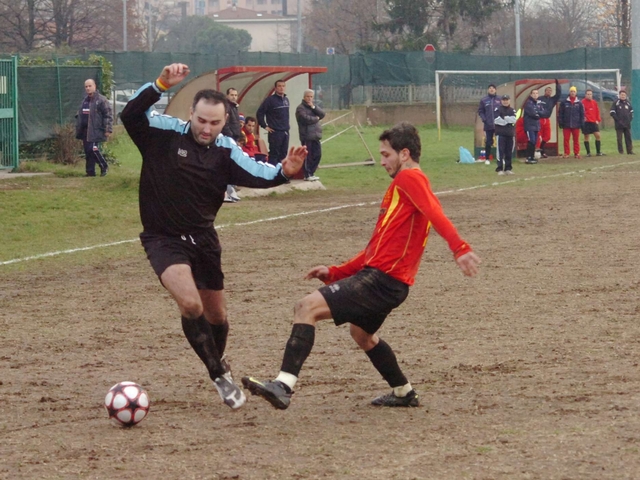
point(276, 2)
point(261, 2)
point(214, 4)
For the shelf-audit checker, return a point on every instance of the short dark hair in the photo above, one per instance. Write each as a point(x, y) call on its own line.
point(281, 80)
point(249, 119)
point(231, 88)
point(209, 96)
point(403, 135)
point(588, 90)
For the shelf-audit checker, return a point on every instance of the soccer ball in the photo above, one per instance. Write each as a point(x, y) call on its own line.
point(537, 155)
point(127, 403)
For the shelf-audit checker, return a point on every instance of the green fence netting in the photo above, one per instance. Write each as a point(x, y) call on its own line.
point(49, 96)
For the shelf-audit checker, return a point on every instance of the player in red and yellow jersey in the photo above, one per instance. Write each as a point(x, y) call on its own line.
point(365, 289)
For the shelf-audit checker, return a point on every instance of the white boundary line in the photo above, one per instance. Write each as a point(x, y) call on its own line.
point(322, 210)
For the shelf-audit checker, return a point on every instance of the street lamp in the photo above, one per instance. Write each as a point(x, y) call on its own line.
point(516, 6)
point(124, 24)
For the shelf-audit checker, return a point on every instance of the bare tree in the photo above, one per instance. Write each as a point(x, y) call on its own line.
point(346, 25)
point(579, 19)
point(614, 22)
point(21, 25)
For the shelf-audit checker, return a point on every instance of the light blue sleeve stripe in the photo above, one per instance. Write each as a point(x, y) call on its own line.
point(257, 169)
point(157, 120)
point(165, 122)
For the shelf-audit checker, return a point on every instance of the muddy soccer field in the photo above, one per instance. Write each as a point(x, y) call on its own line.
point(528, 371)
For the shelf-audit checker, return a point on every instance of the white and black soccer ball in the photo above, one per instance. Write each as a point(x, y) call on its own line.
point(127, 403)
point(537, 155)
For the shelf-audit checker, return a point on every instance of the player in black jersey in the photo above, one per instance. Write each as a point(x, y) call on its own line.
point(186, 167)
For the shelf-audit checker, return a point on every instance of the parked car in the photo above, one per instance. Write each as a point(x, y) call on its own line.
point(121, 97)
point(162, 103)
point(599, 93)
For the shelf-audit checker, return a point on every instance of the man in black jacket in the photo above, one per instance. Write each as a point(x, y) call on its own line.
point(622, 113)
point(186, 167)
point(94, 124)
point(233, 129)
point(308, 116)
point(505, 123)
point(547, 104)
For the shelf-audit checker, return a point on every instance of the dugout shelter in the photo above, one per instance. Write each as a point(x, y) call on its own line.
point(254, 84)
point(519, 91)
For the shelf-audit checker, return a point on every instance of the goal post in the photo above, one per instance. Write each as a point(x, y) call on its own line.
point(440, 75)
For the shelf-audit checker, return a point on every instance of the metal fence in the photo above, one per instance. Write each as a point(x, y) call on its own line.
point(8, 113)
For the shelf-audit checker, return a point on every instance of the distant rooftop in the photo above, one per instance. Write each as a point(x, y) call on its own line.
point(237, 13)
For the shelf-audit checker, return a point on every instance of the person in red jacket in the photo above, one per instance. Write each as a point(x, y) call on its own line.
point(591, 122)
point(365, 289)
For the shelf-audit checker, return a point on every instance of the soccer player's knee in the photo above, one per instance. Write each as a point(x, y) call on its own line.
point(190, 307)
point(301, 307)
point(304, 310)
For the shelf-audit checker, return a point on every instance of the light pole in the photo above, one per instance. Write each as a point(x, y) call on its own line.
point(124, 25)
point(299, 28)
point(150, 28)
point(516, 7)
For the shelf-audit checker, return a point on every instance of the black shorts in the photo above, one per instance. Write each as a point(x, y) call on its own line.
point(201, 251)
point(589, 128)
point(364, 299)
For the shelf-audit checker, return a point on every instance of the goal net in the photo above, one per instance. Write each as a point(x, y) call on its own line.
point(458, 93)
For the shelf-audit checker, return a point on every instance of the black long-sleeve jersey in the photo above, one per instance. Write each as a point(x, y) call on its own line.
point(182, 183)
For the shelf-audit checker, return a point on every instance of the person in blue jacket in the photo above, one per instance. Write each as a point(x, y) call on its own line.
point(487, 111)
point(273, 116)
point(531, 118)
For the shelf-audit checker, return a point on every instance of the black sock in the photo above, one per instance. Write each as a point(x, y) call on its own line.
point(220, 333)
point(386, 363)
point(542, 144)
point(588, 147)
point(198, 333)
point(298, 348)
point(598, 146)
point(531, 150)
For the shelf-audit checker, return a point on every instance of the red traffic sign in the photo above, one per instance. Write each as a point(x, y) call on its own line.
point(429, 48)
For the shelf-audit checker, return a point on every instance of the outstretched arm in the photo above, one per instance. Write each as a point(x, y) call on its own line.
point(172, 75)
point(320, 272)
point(469, 263)
point(292, 163)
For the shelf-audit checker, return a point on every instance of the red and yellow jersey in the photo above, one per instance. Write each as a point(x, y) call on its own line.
point(409, 209)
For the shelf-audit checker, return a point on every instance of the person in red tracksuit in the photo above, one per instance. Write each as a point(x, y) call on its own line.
point(365, 289)
point(571, 119)
point(591, 122)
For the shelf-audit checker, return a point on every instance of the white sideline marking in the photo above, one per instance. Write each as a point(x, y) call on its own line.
point(322, 210)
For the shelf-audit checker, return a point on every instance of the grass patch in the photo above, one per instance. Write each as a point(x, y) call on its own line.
point(66, 210)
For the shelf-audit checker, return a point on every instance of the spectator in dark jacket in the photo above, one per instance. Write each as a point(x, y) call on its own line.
point(505, 123)
point(571, 120)
point(308, 116)
point(548, 103)
point(232, 128)
point(622, 113)
point(487, 111)
point(94, 124)
point(273, 116)
point(531, 119)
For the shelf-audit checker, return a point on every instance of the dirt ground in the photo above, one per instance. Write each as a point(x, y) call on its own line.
point(529, 371)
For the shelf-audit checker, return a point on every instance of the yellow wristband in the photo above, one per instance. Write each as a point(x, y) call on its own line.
point(161, 85)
